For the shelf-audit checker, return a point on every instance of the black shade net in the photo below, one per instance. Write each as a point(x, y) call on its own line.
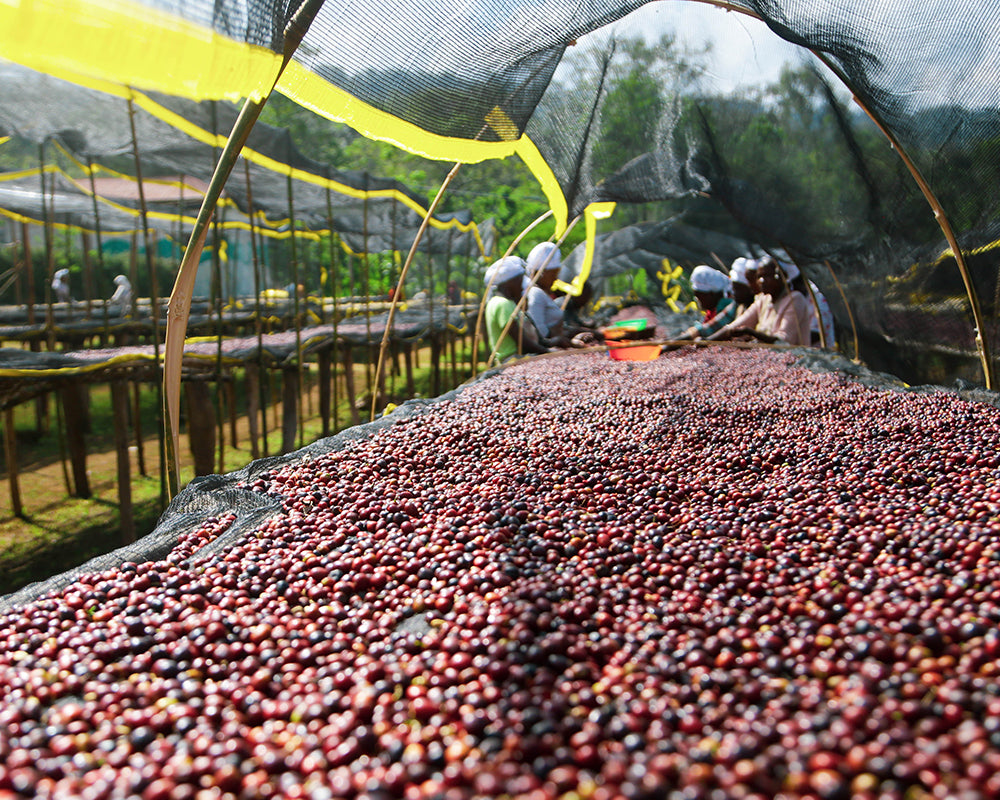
point(796, 169)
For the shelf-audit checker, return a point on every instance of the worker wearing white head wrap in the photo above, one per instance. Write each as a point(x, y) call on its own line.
point(544, 256)
point(122, 298)
point(711, 288)
point(779, 311)
point(506, 276)
point(738, 271)
point(60, 285)
point(503, 270)
point(706, 279)
point(547, 315)
point(743, 291)
point(819, 308)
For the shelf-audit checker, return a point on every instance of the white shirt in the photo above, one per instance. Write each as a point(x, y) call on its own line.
point(543, 311)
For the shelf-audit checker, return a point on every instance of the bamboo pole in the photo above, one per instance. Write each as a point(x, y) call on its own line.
point(180, 298)
point(850, 315)
point(49, 213)
point(88, 272)
point(435, 337)
point(29, 268)
point(402, 275)
point(258, 322)
point(220, 332)
point(296, 307)
point(217, 304)
point(333, 293)
point(97, 234)
point(140, 446)
point(366, 292)
point(18, 265)
point(154, 298)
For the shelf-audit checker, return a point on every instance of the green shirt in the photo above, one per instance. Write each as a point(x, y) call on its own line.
point(498, 310)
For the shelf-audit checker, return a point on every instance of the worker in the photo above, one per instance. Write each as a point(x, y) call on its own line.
point(60, 285)
point(505, 277)
point(741, 273)
point(122, 297)
point(778, 313)
point(542, 267)
point(712, 290)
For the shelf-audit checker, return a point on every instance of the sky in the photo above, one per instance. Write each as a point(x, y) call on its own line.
point(745, 52)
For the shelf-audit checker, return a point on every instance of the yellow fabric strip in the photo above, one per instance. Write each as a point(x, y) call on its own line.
point(27, 173)
point(261, 160)
point(593, 213)
point(313, 92)
point(127, 42)
point(60, 225)
point(947, 252)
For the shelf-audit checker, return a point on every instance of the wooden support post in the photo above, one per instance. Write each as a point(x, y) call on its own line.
point(119, 408)
point(435, 365)
point(379, 381)
point(230, 388)
point(323, 367)
point(273, 403)
point(336, 388)
point(201, 426)
point(352, 399)
point(454, 359)
point(289, 408)
point(10, 453)
point(307, 391)
point(41, 402)
point(140, 450)
point(220, 403)
point(411, 388)
point(253, 408)
point(396, 370)
point(73, 400)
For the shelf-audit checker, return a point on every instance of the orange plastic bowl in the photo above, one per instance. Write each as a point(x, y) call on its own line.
point(642, 352)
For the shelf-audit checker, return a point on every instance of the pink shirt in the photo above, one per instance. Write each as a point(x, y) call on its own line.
point(788, 319)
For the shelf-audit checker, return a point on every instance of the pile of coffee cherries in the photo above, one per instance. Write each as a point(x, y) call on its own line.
point(715, 574)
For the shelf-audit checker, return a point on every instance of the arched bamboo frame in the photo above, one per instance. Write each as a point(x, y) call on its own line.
point(925, 189)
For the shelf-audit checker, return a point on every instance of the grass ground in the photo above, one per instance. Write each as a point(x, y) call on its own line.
point(58, 532)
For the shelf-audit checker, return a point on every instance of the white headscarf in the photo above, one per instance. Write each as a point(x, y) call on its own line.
point(706, 279)
point(505, 269)
point(544, 256)
point(738, 270)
